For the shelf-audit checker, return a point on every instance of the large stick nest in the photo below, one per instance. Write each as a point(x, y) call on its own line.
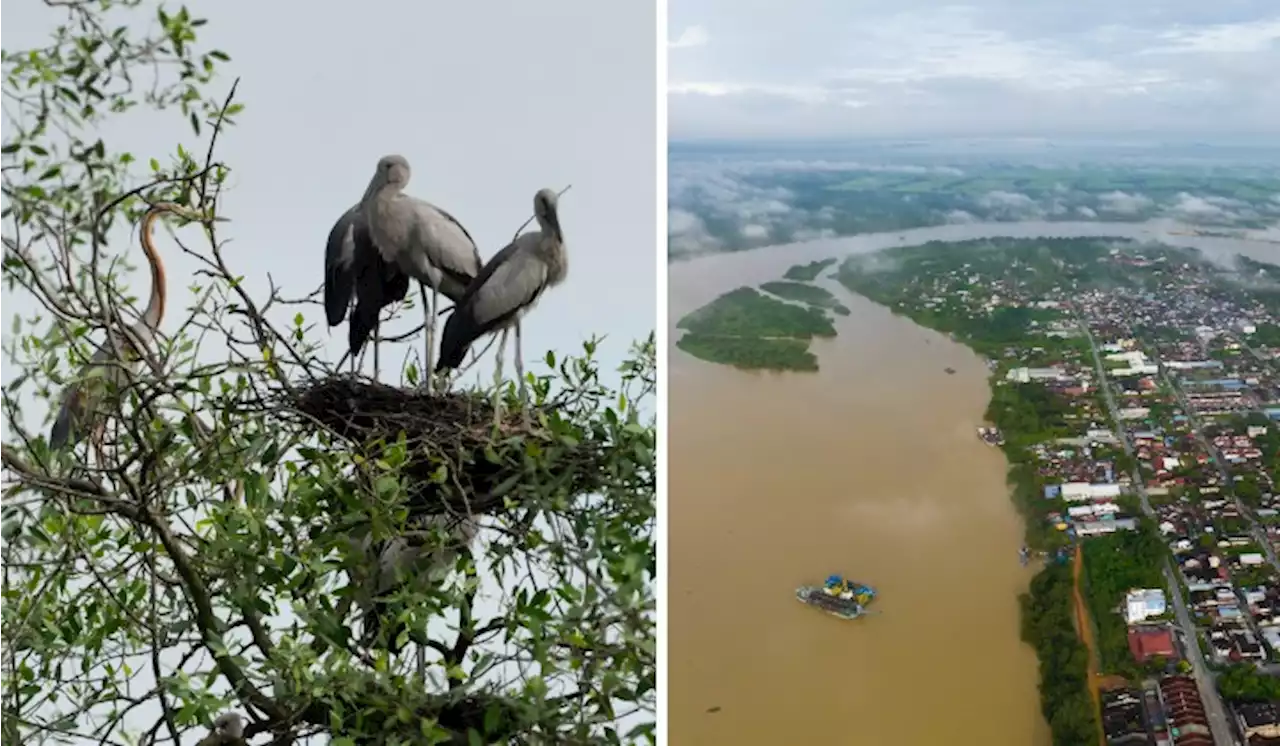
point(485, 467)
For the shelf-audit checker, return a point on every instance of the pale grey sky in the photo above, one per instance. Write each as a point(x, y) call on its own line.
point(920, 68)
point(488, 101)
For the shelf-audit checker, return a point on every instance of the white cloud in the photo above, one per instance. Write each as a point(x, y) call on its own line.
point(911, 48)
point(1012, 200)
point(995, 67)
point(1224, 38)
point(754, 230)
point(1123, 202)
point(811, 234)
point(1191, 206)
point(681, 222)
point(1087, 212)
point(687, 234)
point(692, 36)
point(803, 94)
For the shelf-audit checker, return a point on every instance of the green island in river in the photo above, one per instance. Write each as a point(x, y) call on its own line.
point(750, 330)
point(808, 272)
point(802, 292)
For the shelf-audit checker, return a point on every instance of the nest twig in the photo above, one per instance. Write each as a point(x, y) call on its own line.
point(454, 430)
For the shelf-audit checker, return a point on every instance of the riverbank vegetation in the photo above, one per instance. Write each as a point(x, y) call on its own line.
point(749, 330)
point(803, 292)
point(1027, 414)
point(1047, 626)
point(808, 272)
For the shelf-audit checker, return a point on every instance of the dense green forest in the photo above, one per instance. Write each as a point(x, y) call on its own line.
point(750, 353)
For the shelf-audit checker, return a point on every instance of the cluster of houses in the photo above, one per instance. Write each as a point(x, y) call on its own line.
point(1175, 415)
point(1186, 413)
point(1166, 711)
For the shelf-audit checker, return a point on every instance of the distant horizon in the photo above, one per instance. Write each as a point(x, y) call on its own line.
point(1210, 141)
point(1252, 154)
point(734, 195)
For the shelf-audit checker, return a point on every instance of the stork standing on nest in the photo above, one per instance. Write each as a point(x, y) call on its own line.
point(508, 286)
point(413, 237)
point(352, 262)
point(105, 375)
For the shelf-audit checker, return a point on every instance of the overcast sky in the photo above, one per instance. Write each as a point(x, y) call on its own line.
point(488, 101)
point(919, 68)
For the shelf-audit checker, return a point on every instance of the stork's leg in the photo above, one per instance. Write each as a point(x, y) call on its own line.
point(524, 393)
point(497, 380)
point(431, 338)
point(428, 316)
point(376, 369)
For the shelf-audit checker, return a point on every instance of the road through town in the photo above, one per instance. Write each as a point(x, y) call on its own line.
point(1215, 710)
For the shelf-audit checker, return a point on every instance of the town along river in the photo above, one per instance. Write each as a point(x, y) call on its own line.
point(869, 468)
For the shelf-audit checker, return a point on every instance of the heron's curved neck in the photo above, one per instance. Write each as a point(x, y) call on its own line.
point(155, 306)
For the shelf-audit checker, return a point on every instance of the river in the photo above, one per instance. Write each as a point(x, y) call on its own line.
point(869, 468)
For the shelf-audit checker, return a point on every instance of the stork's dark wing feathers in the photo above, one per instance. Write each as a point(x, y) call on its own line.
point(510, 282)
point(499, 259)
point(346, 239)
point(379, 283)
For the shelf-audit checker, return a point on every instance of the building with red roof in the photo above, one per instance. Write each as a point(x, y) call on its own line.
point(1148, 642)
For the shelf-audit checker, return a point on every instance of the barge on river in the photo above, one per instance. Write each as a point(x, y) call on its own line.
point(991, 436)
point(838, 597)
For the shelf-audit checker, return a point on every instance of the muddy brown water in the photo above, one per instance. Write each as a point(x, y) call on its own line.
point(869, 468)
